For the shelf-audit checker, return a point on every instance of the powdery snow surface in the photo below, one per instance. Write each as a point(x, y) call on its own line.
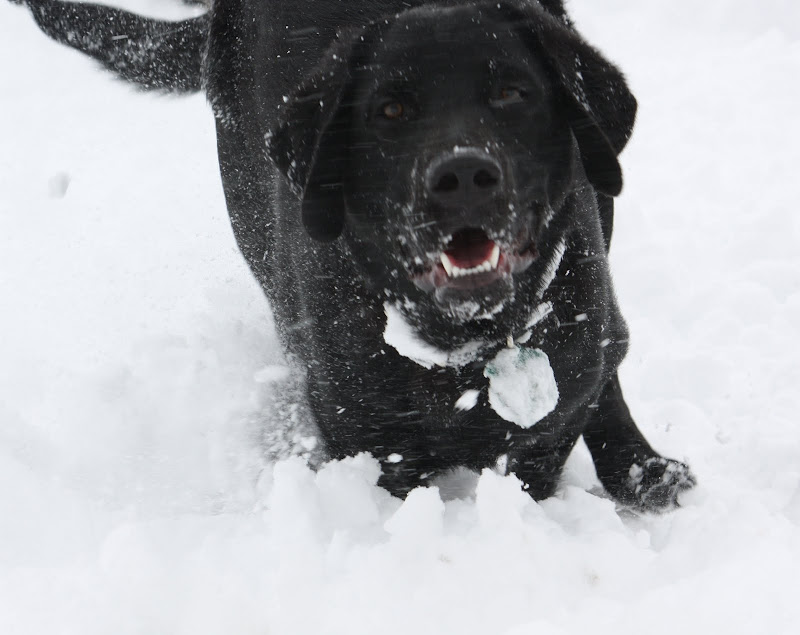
point(137, 357)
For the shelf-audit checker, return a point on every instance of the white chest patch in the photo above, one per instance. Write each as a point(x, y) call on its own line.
point(522, 386)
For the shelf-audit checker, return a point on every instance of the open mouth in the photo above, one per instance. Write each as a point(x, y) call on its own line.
point(472, 260)
point(470, 252)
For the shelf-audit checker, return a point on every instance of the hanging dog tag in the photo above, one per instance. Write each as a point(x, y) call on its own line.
point(522, 387)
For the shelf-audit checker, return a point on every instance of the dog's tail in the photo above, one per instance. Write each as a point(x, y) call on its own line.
point(155, 54)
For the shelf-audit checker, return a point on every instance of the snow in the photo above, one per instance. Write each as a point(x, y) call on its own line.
point(137, 355)
point(468, 400)
point(549, 273)
point(542, 310)
point(404, 338)
point(522, 386)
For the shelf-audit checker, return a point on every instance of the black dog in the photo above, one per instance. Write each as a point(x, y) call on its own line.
point(423, 189)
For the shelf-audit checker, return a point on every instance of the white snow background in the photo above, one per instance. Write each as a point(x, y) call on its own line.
point(136, 353)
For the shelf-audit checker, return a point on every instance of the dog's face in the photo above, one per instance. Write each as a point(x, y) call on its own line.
point(441, 143)
point(457, 155)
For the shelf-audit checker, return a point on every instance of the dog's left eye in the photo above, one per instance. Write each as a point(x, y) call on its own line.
point(509, 95)
point(393, 110)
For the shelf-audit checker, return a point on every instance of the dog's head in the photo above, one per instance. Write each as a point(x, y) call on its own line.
point(443, 140)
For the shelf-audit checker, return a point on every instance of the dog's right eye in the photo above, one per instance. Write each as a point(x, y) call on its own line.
point(393, 110)
point(508, 96)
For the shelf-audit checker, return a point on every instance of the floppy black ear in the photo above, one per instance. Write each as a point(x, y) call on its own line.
point(599, 106)
point(310, 144)
point(598, 156)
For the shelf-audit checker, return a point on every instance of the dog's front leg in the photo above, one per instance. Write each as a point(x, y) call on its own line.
point(540, 465)
point(629, 469)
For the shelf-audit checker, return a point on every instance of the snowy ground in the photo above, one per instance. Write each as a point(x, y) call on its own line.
point(134, 344)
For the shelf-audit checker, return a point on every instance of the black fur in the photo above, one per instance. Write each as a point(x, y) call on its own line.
point(340, 206)
point(152, 53)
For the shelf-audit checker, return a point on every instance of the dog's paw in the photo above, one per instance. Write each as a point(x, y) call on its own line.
point(656, 483)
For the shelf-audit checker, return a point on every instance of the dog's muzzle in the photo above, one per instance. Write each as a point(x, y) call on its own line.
point(467, 193)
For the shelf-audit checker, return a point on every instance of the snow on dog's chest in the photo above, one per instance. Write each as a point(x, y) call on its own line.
point(522, 387)
point(401, 336)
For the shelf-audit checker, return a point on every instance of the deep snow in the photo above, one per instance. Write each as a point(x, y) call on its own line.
point(137, 358)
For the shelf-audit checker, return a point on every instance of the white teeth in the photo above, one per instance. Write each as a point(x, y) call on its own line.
point(457, 272)
point(448, 266)
point(494, 258)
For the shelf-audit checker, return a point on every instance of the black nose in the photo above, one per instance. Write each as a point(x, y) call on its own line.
point(463, 181)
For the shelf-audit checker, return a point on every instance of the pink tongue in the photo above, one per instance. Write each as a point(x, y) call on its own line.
point(469, 249)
